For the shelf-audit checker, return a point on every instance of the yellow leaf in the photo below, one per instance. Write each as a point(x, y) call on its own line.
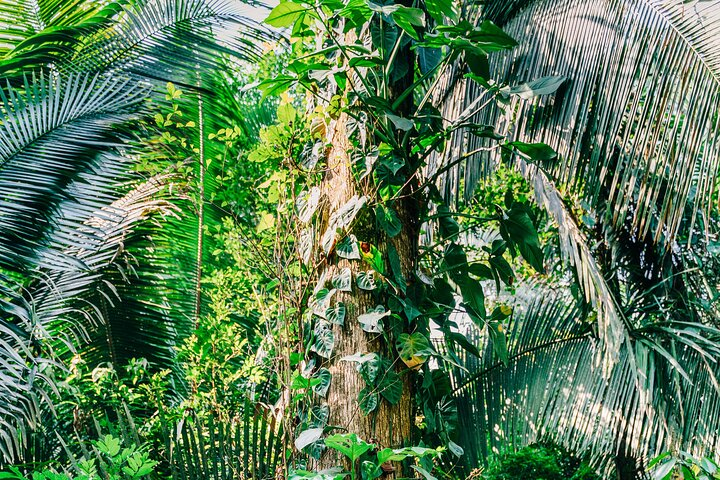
point(285, 98)
point(267, 220)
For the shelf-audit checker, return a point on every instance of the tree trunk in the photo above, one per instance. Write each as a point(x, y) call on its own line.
point(389, 425)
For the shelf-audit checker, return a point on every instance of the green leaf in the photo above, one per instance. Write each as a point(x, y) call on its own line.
point(383, 9)
point(449, 228)
point(286, 114)
point(463, 342)
point(407, 17)
point(368, 365)
point(341, 219)
point(307, 203)
point(324, 340)
point(305, 244)
point(440, 10)
point(480, 270)
point(368, 400)
point(497, 335)
point(389, 385)
point(426, 475)
point(396, 268)
point(410, 310)
point(455, 261)
point(665, 470)
point(501, 269)
point(373, 257)
point(366, 61)
point(307, 437)
point(109, 445)
point(357, 12)
point(370, 321)
point(517, 228)
point(413, 346)
point(478, 64)
point(348, 248)
point(301, 383)
point(285, 14)
point(456, 449)
point(276, 86)
point(318, 415)
point(266, 222)
point(473, 298)
point(349, 445)
point(535, 88)
point(490, 38)
point(343, 280)
point(536, 151)
point(320, 301)
point(325, 377)
point(366, 280)
point(400, 454)
point(336, 314)
point(400, 123)
point(384, 36)
point(388, 220)
point(392, 162)
point(428, 59)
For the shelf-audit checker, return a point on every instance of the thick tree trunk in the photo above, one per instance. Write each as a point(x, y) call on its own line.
point(389, 425)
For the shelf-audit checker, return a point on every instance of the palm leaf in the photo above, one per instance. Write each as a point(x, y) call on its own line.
point(35, 33)
point(182, 41)
point(248, 447)
point(639, 112)
point(51, 134)
point(551, 390)
point(84, 267)
point(65, 223)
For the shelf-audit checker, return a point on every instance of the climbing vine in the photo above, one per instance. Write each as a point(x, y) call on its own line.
point(373, 81)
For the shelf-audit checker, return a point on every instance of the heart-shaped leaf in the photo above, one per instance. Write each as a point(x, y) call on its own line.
point(368, 400)
point(336, 314)
point(371, 320)
point(306, 204)
point(325, 377)
point(348, 248)
point(307, 437)
point(388, 220)
point(366, 280)
point(343, 280)
point(324, 341)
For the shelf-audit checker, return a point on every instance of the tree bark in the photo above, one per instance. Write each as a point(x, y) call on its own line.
point(389, 425)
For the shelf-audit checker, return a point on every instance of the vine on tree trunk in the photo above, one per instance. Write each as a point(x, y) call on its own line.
point(362, 387)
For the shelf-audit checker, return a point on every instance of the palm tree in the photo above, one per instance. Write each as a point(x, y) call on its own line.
point(553, 390)
point(635, 125)
point(83, 262)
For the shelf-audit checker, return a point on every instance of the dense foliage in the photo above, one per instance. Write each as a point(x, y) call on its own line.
point(359, 240)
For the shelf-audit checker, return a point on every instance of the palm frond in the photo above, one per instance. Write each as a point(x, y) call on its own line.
point(65, 225)
point(613, 327)
point(638, 115)
point(551, 390)
point(19, 22)
point(182, 41)
point(250, 446)
point(52, 133)
point(66, 308)
point(34, 34)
